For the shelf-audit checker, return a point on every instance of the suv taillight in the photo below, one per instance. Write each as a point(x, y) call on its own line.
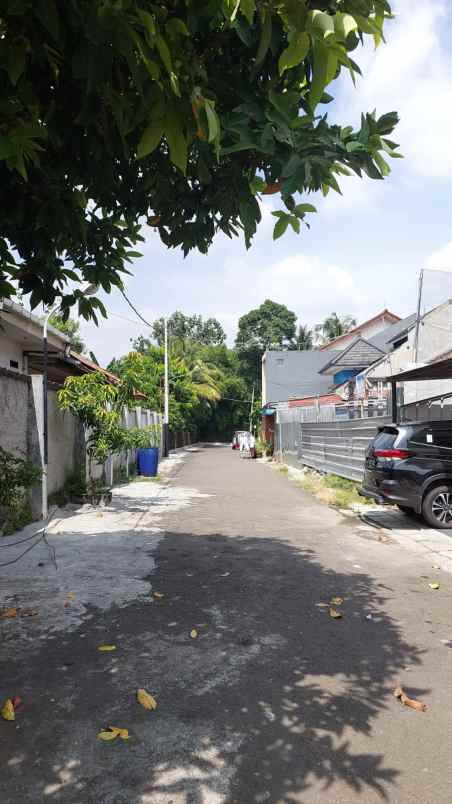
point(397, 454)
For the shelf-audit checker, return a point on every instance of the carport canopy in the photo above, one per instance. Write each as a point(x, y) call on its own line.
point(438, 370)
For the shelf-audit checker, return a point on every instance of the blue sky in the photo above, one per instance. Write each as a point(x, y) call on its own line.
point(364, 250)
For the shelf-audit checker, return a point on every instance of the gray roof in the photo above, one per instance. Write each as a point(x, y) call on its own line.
point(296, 374)
point(359, 354)
point(385, 340)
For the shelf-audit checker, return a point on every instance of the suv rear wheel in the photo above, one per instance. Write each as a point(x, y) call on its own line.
point(437, 507)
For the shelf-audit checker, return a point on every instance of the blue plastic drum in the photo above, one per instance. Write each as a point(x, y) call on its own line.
point(148, 461)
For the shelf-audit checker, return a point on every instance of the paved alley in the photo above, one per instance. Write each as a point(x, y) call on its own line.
point(262, 696)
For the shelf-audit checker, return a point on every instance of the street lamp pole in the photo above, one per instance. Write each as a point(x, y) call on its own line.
point(166, 403)
point(87, 289)
point(45, 417)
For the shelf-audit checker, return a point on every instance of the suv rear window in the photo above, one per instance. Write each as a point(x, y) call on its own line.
point(386, 438)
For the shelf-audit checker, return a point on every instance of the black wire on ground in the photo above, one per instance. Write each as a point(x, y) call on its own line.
point(41, 533)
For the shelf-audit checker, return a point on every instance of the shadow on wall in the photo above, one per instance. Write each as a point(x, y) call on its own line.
point(260, 707)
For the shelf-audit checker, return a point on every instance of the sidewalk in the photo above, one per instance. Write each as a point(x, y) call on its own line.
point(102, 556)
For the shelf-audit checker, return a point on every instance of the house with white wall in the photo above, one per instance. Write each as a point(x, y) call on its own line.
point(21, 400)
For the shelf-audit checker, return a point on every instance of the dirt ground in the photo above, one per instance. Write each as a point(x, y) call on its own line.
point(273, 701)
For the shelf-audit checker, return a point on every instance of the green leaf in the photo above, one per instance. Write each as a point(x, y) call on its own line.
point(164, 53)
point(148, 21)
point(212, 120)
point(295, 224)
point(176, 27)
point(382, 165)
point(294, 53)
point(257, 185)
point(16, 62)
point(266, 35)
point(323, 71)
point(150, 138)
point(320, 24)
point(247, 8)
point(300, 209)
point(344, 24)
point(176, 140)
point(281, 226)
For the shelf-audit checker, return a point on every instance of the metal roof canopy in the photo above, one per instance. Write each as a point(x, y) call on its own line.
point(441, 370)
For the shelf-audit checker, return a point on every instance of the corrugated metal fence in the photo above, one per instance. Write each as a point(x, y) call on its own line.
point(337, 447)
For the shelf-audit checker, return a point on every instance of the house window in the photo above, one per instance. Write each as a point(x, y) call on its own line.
point(14, 364)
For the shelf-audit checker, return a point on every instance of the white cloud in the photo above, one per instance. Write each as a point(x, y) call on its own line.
point(311, 288)
point(441, 259)
point(412, 74)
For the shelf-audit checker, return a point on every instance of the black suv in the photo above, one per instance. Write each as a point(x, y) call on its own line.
point(410, 465)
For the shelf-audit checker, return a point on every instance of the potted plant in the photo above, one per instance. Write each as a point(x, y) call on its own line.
point(147, 442)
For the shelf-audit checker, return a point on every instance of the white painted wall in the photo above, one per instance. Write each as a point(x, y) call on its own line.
point(10, 350)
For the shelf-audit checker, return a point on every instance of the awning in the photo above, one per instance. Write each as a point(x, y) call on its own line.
point(441, 370)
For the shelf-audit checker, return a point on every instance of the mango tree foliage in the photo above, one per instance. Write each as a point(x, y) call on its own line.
point(114, 112)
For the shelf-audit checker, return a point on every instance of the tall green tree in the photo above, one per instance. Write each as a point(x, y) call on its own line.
point(71, 329)
point(179, 113)
point(190, 327)
point(333, 326)
point(270, 326)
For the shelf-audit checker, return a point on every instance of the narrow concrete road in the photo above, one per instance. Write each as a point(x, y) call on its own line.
point(273, 701)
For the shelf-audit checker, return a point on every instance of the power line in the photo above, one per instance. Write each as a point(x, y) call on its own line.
point(135, 309)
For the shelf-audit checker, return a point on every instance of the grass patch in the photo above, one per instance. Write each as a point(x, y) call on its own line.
point(283, 469)
point(331, 489)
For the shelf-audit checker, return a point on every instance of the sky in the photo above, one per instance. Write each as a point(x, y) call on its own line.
point(365, 249)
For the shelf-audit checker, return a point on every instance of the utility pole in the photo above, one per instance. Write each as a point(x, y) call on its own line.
point(251, 409)
point(166, 404)
point(418, 316)
point(45, 416)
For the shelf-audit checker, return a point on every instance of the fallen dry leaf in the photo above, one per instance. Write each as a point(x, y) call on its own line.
point(400, 693)
point(7, 710)
point(8, 613)
point(436, 566)
point(70, 595)
point(193, 633)
point(106, 648)
point(107, 735)
point(434, 585)
point(27, 612)
point(337, 601)
point(158, 595)
point(146, 700)
point(335, 614)
point(17, 702)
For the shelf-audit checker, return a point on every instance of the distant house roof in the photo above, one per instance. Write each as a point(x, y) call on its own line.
point(336, 342)
point(295, 375)
point(325, 399)
point(385, 340)
point(359, 355)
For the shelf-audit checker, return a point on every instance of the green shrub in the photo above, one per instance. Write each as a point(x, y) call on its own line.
point(17, 476)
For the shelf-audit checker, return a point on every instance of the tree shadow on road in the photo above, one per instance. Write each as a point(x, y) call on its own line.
point(263, 706)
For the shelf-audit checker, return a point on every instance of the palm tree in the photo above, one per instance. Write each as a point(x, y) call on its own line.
point(333, 327)
point(204, 376)
point(303, 338)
